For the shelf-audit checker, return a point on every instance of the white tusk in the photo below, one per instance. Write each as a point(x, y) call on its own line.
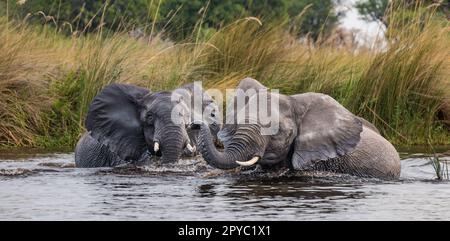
point(250, 162)
point(156, 147)
point(190, 148)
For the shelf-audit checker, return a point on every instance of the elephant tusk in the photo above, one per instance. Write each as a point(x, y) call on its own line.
point(190, 148)
point(156, 147)
point(250, 162)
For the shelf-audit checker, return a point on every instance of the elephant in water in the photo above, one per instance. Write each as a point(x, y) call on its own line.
point(314, 133)
point(127, 124)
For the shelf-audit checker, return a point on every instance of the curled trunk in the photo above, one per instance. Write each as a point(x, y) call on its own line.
point(246, 143)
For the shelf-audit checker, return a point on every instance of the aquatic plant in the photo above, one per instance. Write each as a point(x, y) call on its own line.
point(440, 167)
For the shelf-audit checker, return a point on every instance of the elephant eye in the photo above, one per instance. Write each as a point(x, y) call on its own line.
point(149, 118)
point(213, 115)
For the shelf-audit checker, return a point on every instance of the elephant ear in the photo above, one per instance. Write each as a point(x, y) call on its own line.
point(326, 130)
point(114, 120)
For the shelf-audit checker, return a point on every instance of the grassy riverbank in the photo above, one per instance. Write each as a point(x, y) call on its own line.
point(47, 80)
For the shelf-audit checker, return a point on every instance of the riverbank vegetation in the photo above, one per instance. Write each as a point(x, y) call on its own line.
point(49, 73)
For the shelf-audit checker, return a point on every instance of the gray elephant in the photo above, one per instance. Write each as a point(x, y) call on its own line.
point(315, 132)
point(128, 124)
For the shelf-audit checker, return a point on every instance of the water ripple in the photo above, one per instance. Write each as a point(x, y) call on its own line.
point(48, 187)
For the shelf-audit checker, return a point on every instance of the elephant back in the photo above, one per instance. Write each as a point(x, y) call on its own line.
point(374, 156)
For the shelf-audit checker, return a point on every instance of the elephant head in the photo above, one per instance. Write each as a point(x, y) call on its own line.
point(311, 127)
point(202, 109)
point(164, 127)
point(131, 120)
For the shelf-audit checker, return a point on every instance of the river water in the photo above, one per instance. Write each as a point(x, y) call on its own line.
point(46, 186)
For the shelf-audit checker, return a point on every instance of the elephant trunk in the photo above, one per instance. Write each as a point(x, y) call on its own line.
point(211, 154)
point(171, 143)
point(247, 143)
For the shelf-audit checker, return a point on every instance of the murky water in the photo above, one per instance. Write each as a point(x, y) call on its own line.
point(48, 187)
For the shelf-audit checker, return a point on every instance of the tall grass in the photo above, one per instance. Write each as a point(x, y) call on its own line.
point(403, 87)
point(22, 87)
point(47, 80)
point(243, 48)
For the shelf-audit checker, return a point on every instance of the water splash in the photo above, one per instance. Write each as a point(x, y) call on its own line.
point(48, 187)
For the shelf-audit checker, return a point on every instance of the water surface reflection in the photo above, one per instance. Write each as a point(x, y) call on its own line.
point(47, 186)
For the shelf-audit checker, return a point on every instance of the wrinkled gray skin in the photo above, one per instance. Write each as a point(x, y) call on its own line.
point(125, 121)
point(315, 133)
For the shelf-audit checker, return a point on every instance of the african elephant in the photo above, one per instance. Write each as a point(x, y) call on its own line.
point(126, 123)
point(315, 132)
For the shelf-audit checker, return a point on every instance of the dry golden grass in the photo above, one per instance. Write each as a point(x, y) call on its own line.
point(47, 80)
point(22, 84)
